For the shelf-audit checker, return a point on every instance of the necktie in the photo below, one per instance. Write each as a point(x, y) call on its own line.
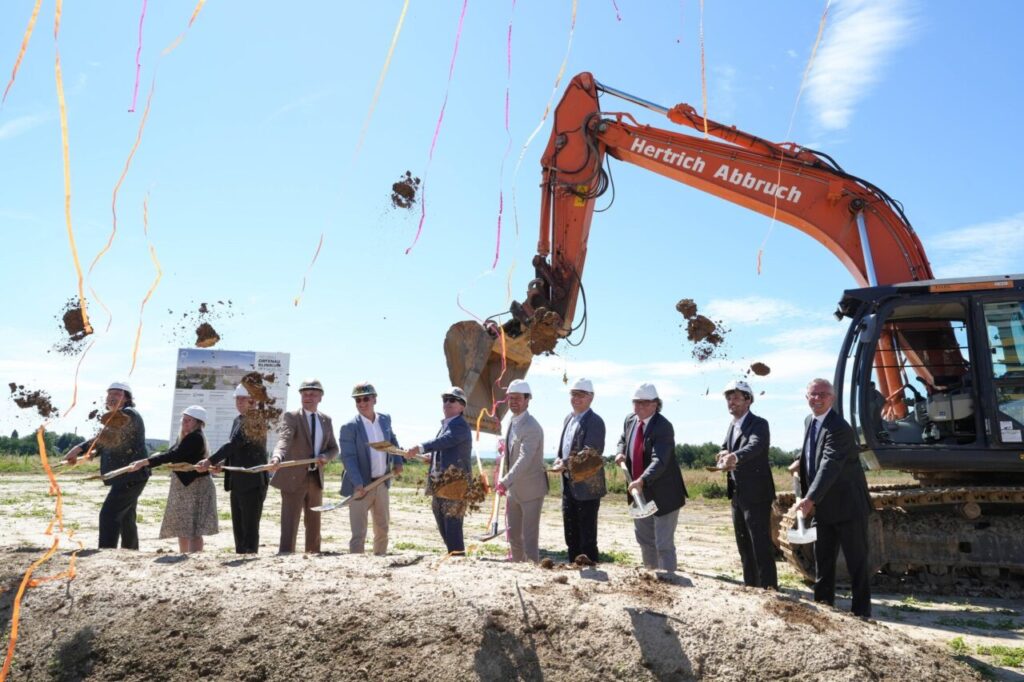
point(812, 446)
point(312, 432)
point(638, 451)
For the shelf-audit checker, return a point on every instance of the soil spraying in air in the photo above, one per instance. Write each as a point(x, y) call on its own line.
point(73, 329)
point(414, 616)
point(403, 192)
point(199, 321)
point(27, 399)
point(706, 335)
point(265, 415)
point(760, 369)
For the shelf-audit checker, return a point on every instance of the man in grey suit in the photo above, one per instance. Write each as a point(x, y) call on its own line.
point(525, 481)
point(836, 492)
point(581, 500)
point(749, 483)
point(647, 446)
point(364, 465)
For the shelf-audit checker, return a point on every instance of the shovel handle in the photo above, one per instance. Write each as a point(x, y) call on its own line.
point(636, 495)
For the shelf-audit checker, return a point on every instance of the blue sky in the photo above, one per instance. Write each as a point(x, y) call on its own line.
point(249, 155)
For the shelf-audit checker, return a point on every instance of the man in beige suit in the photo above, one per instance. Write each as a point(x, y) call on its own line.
point(304, 434)
point(525, 482)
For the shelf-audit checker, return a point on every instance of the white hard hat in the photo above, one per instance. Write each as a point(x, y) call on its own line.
point(518, 386)
point(241, 391)
point(196, 412)
point(645, 392)
point(120, 386)
point(738, 385)
point(455, 392)
point(583, 385)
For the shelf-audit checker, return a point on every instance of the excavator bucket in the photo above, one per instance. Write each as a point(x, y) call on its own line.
point(483, 366)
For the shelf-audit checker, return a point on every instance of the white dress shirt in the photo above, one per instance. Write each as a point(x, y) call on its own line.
point(374, 434)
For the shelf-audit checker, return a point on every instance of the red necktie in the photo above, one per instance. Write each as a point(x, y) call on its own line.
point(638, 451)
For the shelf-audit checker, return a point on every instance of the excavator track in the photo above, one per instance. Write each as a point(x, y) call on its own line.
point(946, 540)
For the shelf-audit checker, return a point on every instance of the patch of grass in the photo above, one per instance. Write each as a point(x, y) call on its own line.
point(979, 623)
point(224, 515)
point(709, 490)
point(1009, 656)
point(412, 546)
point(615, 556)
point(908, 604)
point(959, 646)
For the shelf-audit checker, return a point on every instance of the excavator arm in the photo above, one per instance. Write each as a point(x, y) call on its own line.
point(856, 221)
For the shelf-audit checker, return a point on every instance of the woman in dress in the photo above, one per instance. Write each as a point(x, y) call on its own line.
point(191, 509)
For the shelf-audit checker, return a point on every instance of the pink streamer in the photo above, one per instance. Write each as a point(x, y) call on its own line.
point(138, 64)
point(508, 145)
point(437, 129)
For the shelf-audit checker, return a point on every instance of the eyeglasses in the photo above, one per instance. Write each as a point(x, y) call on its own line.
point(817, 394)
point(363, 398)
point(642, 402)
point(450, 399)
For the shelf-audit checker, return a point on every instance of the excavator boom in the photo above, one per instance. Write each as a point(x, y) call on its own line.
point(856, 221)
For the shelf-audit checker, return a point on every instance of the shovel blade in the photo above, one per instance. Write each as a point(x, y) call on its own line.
point(642, 512)
point(494, 532)
point(809, 535)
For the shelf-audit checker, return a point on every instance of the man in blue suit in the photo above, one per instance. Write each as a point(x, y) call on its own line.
point(452, 446)
point(364, 465)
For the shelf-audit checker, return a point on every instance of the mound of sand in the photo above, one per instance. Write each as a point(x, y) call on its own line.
point(159, 616)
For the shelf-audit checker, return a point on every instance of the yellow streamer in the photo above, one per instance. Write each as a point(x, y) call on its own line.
point(380, 82)
point(24, 46)
point(152, 288)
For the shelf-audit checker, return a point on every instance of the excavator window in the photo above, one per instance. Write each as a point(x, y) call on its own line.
point(1004, 327)
point(928, 343)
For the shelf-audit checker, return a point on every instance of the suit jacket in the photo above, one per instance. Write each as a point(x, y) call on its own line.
point(751, 481)
point(589, 434)
point(239, 451)
point(355, 452)
point(525, 477)
point(663, 481)
point(120, 447)
point(296, 442)
point(453, 445)
point(839, 489)
point(190, 449)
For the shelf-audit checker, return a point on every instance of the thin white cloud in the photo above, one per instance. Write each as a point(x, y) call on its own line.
point(853, 52)
point(994, 248)
point(20, 125)
point(808, 336)
point(750, 310)
point(304, 102)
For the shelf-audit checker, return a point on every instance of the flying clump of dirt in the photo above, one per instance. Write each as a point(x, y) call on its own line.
point(25, 399)
point(264, 416)
point(760, 369)
point(73, 328)
point(199, 321)
point(707, 335)
point(544, 331)
point(403, 192)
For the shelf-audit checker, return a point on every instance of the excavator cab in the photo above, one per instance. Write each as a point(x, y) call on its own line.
point(956, 411)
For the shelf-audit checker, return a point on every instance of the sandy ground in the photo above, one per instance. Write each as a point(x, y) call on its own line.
point(154, 614)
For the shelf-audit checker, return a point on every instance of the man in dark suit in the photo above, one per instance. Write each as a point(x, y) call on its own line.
point(749, 483)
point(121, 441)
point(452, 446)
point(647, 446)
point(305, 433)
point(581, 500)
point(363, 466)
point(836, 492)
point(248, 491)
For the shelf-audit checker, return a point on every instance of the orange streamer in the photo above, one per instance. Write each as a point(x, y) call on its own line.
point(195, 12)
point(24, 46)
point(309, 269)
point(152, 288)
point(16, 608)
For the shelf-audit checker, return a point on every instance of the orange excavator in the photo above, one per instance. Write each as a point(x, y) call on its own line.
point(930, 374)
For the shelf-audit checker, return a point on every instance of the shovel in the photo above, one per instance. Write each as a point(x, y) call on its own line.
point(639, 509)
point(494, 530)
point(801, 535)
point(344, 501)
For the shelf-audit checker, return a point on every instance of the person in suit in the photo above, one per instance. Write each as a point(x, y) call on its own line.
point(581, 500)
point(452, 447)
point(647, 446)
point(248, 491)
point(121, 441)
point(191, 510)
point(304, 434)
point(525, 481)
point(749, 484)
point(364, 465)
point(835, 491)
